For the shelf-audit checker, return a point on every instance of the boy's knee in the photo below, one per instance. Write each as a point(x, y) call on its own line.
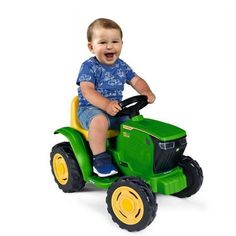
point(100, 121)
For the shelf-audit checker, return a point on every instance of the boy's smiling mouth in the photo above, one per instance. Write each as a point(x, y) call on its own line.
point(109, 55)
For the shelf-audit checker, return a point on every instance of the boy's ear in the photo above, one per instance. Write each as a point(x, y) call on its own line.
point(90, 47)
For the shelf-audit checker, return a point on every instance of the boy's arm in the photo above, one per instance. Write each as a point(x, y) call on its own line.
point(141, 86)
point(96, 99)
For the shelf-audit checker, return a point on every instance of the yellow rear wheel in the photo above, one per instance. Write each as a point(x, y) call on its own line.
point(131, 203)
point(60, 169)
point(65, 168)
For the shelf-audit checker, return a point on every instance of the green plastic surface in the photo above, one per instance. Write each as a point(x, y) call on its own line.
point(162, 131)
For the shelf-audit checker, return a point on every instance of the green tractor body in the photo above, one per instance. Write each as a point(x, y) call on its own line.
point(145, 148)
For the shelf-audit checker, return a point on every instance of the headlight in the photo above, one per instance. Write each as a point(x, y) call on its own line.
point(175, 144)
point(166, 146)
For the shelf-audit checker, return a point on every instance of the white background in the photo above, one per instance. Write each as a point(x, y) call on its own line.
point(185, 50)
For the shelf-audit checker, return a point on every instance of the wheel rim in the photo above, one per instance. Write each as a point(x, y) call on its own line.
point(127, 205)
point(60, 169)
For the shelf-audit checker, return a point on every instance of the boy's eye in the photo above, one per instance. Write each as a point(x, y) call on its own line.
point(102, 42)
point(115, 41)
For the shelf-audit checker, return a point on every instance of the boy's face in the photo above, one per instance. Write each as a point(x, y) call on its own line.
point(106, 44)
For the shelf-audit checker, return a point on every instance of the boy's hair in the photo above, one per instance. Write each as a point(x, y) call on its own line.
point(104, 23)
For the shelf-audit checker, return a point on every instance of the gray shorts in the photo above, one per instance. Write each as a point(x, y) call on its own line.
point(86, 114)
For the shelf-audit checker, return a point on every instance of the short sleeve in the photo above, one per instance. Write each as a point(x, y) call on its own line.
point(128, 72)
point(86, 73)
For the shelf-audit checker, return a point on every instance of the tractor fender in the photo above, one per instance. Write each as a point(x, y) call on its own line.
point(79, 147)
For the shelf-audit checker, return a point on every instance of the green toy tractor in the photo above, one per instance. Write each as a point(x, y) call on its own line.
point(148, 155)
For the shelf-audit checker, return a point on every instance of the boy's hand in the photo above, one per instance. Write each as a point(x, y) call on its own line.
point(151, 97)
point(113, 108)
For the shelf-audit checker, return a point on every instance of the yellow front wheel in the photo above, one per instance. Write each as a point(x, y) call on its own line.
point(131, 203)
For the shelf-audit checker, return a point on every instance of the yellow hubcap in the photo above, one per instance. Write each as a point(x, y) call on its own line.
point(60, 169)
point(127, 205)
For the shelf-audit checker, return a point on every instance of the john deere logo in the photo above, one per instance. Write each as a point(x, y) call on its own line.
point(127, 127)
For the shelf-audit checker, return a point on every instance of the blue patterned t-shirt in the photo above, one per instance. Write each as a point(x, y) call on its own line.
point(108, 80)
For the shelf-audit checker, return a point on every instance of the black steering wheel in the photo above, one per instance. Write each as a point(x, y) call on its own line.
point(140, 101)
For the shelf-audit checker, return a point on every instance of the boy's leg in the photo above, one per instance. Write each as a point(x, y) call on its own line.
point(102, 161)
point(97, 134)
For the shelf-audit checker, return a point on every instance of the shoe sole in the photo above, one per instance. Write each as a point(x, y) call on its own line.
point(113, 172)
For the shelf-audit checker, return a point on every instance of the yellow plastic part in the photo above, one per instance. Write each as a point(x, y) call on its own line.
point(74, 121)
point(127, 205)
point(60, 169)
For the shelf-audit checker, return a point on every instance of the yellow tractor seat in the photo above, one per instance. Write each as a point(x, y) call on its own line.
point(75, 123)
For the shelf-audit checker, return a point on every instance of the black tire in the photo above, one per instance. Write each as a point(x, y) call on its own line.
point(131, 203)
point(194, 176)
point(65, 168)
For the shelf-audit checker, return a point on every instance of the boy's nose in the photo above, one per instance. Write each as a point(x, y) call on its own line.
point(109, 45)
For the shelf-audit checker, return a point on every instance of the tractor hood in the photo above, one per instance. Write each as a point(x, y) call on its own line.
point(160, 130)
